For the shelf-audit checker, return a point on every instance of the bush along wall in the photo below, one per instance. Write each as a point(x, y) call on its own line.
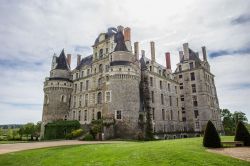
point(59, 129)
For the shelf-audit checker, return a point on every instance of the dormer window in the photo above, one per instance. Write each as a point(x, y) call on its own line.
point(101, 53)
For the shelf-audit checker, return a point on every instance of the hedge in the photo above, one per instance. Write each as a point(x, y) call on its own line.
point(59, 129)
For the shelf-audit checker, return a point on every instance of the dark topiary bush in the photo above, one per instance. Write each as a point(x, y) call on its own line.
point(242, 134)
point(211, 138)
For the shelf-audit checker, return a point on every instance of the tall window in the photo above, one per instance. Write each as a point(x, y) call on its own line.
point(87, 84)
point(180, 76)
point(152, 96)
point(80, 86)
point(108, 96)
point(86, 99)
point(153, 113)
point(118, 114)
point(169, 87)
point(160, 84)
point(170, 100)
point(196, 113)
point(75, 87)
point(197, 125)
point(82, 73)
point(195, 102)
point(182, 97)
point(181, 85)
point(171, 115)
point(99, 115)
point(80, 101)
point(193, 88)
point(85, 115)
point(162, 99)
point(79, 116)
point(100, 68)
point(88, 72)
point(100, 53)
point(177, 101)
point(99, 98)
point(93, 114)
point(74, 101)
point(191, 65)
point(163, 114)
point(151, 81)
point(192, 75)
point(63, 98)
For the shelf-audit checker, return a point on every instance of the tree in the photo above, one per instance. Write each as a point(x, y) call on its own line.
point(242, 134)
point(239, 117)
point(230, 120)
point(211, 137)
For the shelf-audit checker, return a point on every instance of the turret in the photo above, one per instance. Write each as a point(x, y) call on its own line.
point(57, 90)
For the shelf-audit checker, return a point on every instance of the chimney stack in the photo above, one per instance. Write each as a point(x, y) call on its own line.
point(152, 47)
point(69, 59)
point(143, 53)
point(127, 34)
point(168, 61)
point(120, 28)
point(181, 55)
point(186, 51)
point(136, 50)
point(204, 52)
point(78, 59)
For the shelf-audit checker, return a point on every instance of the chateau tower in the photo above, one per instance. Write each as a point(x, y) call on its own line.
point(57, 91)
point(199, 102)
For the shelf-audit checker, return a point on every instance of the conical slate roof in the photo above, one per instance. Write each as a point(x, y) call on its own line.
point(62, 62)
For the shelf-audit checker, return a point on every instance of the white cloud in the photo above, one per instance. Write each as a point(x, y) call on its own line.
point(31, 31)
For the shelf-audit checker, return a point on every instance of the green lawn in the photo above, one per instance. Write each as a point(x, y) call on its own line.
point(170, 152)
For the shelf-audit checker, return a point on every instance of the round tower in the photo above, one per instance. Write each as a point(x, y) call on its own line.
point(57, 91)
point(124, 84)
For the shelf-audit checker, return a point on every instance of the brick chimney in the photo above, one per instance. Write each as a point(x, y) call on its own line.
point(69, 59)
point(127, 34)
point(168, 61)
point(78, 59)
point(204, 53)
point(186, 51)
point(152, 47)
point(136, 50)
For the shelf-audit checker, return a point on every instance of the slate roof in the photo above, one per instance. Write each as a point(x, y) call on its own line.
point(87, 61)
point(62, 62)
point(192, 56)
point(110, 33)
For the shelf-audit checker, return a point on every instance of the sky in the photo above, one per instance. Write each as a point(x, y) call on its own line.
point(32, 31)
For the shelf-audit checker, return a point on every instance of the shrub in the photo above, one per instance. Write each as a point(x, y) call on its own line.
point(211, 138)
point(242, 134)
point(69, 136)
point(77, 133)
point(59, 129)
point(88, 137)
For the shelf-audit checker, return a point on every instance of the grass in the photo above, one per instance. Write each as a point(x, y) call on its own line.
point(170, 152)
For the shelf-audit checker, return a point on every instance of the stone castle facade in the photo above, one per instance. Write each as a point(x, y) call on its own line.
point(109, 85)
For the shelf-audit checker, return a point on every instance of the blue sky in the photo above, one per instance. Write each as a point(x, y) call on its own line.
point(32, 31)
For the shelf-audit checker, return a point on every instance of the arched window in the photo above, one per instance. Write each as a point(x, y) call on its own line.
point(100, 68)
point(99, 81)
point(46, 99)
point(99, 115)
point(99, 98)
point(63, 98)
point(101, 53)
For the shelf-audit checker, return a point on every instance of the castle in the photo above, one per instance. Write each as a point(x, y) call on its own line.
point(113, 84)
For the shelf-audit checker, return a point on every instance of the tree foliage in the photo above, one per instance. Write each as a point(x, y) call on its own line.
point(211, 137)
point(230, 120)
point(242, 134)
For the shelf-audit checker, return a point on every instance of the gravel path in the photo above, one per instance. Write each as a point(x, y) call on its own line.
point(7, 148)
point(242, 153)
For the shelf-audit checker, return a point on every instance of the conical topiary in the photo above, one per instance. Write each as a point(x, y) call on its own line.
point(242, 134)
point(211, 138)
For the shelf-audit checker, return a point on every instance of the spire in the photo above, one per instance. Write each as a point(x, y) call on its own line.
point(62, 62)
